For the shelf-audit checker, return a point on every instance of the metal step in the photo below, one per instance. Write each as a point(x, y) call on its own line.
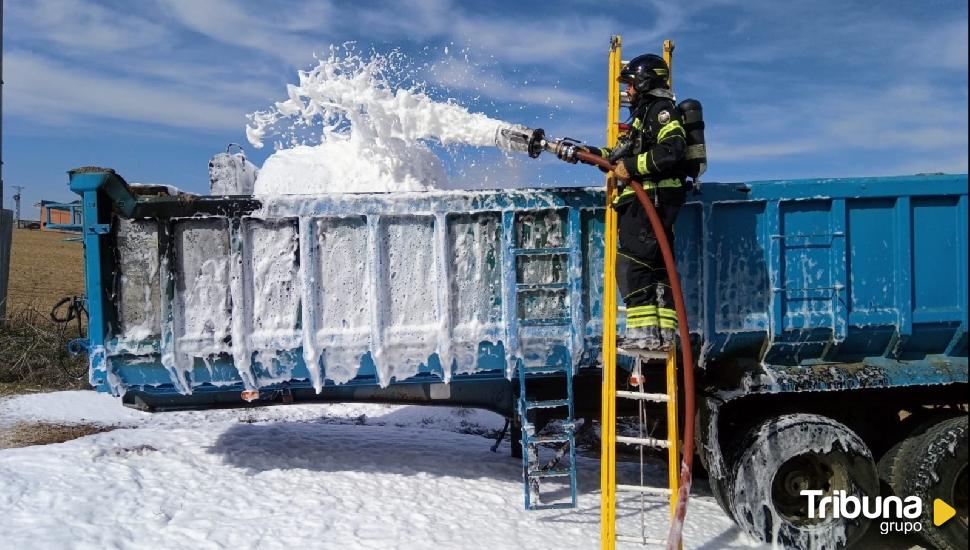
point(567, 425)
point(553, 506)
point(524, 287)
point(647, 441)
point(659, 491)
point(547, 404)
point(642, 354)
point(541, 251)
point(655, 397)
point(556, 322)
point(559, 438)
point(557, 472)
point(641, 540)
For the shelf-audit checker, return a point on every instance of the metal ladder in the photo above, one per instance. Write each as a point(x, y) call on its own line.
point(534, 468)
point(647, 363)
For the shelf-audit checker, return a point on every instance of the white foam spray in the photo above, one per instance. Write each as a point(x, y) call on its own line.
point(352, 124)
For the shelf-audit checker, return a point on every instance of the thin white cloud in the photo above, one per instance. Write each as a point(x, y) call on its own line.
point(729, 151)
point(942, 47)
point(560, 40)
point(38, 88)
point(274, 28)
point(145, 62)
point(902, 119)
point(458, 75)
point(418, 21)
point(81, 26)
point(948, 164)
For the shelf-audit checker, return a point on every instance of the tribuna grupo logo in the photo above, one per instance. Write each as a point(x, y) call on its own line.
point(899, 515)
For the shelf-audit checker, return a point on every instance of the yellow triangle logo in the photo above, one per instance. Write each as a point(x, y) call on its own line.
point(942, 512)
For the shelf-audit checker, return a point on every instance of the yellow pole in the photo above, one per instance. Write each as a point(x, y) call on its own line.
point(608, 412)
point(673, 431)
point(669, 58)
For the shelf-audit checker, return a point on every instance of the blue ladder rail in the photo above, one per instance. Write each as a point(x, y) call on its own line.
point(533, 470)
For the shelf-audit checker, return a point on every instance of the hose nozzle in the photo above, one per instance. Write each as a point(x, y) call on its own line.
point(520, 139)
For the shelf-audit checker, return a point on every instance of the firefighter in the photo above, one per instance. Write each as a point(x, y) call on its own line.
point(652, 153)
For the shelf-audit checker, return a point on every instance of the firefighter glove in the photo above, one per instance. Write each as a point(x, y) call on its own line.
point(620, 172)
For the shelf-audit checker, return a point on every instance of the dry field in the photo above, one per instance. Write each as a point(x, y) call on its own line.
point(43, 269)
point(33, 350)
point(26, 434)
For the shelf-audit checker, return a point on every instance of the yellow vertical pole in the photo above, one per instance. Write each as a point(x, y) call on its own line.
point(608, 412)
point(669, 59)
point(673, 433)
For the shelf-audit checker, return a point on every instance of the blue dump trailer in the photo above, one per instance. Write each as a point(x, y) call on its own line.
point(829, 318)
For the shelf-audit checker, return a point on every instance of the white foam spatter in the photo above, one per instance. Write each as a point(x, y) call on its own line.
point(349, 127)
point(180, 480)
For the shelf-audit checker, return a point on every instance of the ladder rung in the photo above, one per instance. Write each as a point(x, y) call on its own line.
point(547, 404)
point(561, 438)
point(642, 354)
point(553, 322)
point(531, 287)
point(564, 423)
point(661, 491)
point(648, 441)
point(640, 540)
point(541, 251)
point(553, 506)
point(557, 472)
point(655, 397)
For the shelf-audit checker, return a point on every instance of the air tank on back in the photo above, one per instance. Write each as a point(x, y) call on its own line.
point(696, 154)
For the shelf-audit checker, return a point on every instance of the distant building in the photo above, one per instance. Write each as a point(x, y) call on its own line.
point(60, 216)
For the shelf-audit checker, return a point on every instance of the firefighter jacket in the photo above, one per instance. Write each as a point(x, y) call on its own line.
point(654, 154)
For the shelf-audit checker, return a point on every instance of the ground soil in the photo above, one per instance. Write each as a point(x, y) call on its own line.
point(26, 434)
point(44, 267)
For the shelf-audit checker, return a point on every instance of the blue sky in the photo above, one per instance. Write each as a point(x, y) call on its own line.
point(153, 88)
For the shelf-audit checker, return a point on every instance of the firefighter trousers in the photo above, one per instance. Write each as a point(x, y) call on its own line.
point(640, 271)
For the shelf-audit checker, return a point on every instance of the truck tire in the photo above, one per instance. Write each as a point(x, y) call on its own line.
point(787, 454)
point(938, 470)
point(722, 487)
point(896, 463)
point(720, 490)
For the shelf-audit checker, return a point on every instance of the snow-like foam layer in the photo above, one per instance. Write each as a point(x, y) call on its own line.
point(366, 132)
point(361, 461)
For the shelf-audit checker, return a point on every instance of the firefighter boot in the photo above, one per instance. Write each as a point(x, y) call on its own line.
point(652, 340)
point(633, 338)
point(668, 337)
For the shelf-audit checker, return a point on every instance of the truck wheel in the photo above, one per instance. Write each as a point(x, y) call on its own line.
point(788, 454)
point(719, 488)
point(939, 471)
point(722, 487)
point(897, 462)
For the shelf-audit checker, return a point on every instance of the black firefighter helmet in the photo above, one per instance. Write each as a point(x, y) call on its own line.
point(645, 72)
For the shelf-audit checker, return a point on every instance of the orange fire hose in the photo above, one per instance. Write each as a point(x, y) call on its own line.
point(687, 355)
